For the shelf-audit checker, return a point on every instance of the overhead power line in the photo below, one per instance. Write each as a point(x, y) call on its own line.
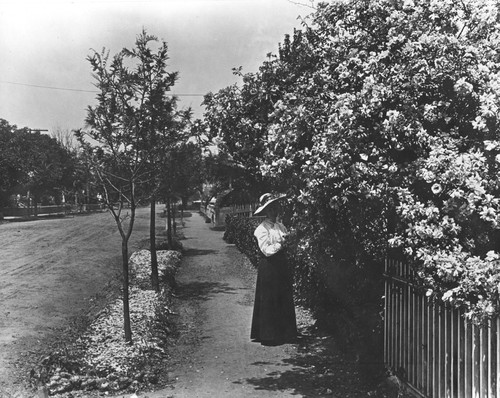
point(48, 87)
point(84, 91)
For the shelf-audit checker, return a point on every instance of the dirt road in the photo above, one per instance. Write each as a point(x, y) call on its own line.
point(215, 357)
point(49, 270)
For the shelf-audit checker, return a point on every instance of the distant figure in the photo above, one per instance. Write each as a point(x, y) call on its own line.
point(273, 321)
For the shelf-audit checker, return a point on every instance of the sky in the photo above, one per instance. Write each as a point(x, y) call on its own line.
point(45, 78)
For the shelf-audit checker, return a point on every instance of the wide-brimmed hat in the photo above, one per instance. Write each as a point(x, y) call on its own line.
point(265, 200)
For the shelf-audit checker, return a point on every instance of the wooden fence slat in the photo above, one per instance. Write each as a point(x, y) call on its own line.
point(386, 317)
point(435, 352)
point(492, 359)
point(393, 326)
point(429, 350)
point(489, 391)
point(483, 363)
point(448, 338)
point(467, 358)
point(460, 359)
point(409, 330)
point(441, 366)
point(497, 349)
point(422, 348)
point(404, 291)
point(440, 353)
point(452, 353)
point(475, 363)
point(413, 338)
point(390, 320)
point(401, 347)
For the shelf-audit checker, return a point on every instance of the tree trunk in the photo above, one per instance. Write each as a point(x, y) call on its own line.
point(169, 224)
point(152, 243)
point(126, 306)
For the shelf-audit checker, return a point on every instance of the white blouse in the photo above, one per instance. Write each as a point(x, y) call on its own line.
point(270, 236)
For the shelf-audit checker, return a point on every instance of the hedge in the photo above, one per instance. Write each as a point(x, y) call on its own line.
point(239, 230)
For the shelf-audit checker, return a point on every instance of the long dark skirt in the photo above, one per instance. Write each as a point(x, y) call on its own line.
point(273, 318)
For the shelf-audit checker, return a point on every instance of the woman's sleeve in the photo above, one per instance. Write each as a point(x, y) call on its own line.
point(265, 246)
point(284, 229)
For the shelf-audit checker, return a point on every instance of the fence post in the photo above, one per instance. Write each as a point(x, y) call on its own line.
point(386, 317)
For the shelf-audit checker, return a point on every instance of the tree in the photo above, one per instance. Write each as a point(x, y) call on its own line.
point(65, 138)
point(46, 168)
point(132, 108)
point(181, 177)
point(162, 124)
point(183, 171)
point(10, 168)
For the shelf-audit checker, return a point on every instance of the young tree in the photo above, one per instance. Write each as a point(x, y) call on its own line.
point(125, 126)
point(163, 125)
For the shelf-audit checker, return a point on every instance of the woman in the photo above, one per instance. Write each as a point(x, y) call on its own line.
point(273, 321)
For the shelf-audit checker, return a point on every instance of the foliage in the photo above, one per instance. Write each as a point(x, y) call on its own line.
point(221, 173)
point(454, 233)
point(48, 166)
point(239, 230)
point(235, 119)
point(33, 162)
point(384, 128)
point(182, 171)
point(10, 169)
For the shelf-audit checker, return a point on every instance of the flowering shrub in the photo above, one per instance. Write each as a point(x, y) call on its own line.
point(168, 264)
point(452, 232)
point(381, 120)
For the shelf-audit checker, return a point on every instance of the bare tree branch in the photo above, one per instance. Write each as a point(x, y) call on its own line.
point(311, 4)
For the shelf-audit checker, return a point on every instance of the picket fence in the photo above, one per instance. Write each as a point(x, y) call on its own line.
point(217, 215)
point(432, 347)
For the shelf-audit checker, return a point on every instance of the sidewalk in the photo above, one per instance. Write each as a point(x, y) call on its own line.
point(215, 357)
